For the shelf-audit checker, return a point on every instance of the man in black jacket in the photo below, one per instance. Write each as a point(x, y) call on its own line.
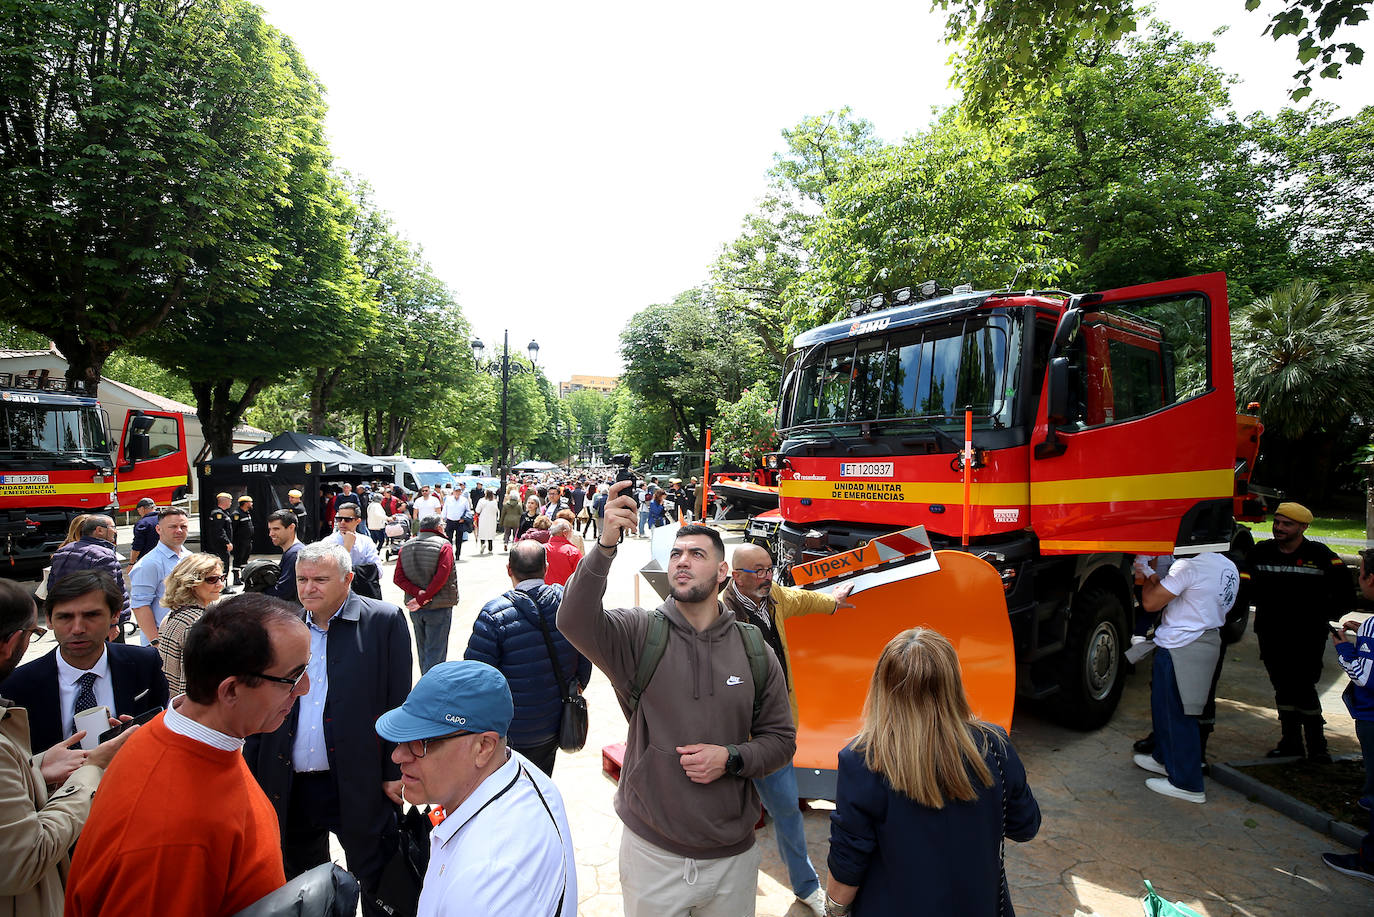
point(324, 769)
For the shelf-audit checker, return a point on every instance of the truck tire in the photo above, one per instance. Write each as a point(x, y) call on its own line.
point(1092, 668)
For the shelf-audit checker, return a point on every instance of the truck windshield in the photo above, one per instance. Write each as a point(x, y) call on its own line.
point(435, 478)
point(664, 463)
point(44, 429)
point(913, 377)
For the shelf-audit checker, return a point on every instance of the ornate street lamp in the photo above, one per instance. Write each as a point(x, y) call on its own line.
point(504, 368)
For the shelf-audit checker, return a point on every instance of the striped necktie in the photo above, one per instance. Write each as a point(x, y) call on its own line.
point(85, 695)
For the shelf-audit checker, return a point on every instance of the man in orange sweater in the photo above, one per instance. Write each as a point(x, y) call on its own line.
point(180, 826)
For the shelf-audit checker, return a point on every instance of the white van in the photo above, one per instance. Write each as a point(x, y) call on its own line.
point(412, 473)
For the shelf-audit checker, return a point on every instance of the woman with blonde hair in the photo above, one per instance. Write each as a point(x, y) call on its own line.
point(194, 583)
point(926, 793)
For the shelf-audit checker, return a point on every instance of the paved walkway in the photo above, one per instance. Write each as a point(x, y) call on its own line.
point(1102, 833)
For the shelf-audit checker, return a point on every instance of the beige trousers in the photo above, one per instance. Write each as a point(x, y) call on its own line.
point(657, 883)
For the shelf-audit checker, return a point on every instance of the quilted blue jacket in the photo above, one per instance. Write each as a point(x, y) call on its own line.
point(507, 635)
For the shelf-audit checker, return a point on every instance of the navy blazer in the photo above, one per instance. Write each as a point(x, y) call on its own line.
point(369, 664)
point(135, 675)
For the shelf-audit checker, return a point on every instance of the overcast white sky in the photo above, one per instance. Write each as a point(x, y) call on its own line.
point(566, 164)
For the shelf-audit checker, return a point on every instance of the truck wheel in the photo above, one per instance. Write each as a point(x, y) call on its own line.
point(1092, 672)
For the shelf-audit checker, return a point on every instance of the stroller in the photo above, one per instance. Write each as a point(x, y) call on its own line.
point(397, 534)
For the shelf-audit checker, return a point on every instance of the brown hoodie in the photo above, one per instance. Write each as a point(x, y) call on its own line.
point(701, 692)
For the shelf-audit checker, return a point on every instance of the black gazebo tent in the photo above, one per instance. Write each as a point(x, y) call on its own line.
point(265, 472)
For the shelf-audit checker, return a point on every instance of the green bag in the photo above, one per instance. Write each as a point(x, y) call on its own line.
point(1156, 906)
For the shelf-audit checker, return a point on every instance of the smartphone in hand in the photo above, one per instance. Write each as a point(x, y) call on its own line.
point(139, 720)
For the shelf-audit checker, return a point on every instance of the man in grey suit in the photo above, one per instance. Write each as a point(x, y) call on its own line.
point(327, 751)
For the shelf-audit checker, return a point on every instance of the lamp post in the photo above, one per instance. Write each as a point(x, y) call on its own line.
point(504, 368)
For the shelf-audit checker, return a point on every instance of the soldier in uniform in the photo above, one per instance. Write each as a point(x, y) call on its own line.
point(293, 503)
point(243, 535)
point(219, 538)
point(1298, 585)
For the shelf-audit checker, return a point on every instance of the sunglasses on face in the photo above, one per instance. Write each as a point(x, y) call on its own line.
point(214, 579)
point(346, 518)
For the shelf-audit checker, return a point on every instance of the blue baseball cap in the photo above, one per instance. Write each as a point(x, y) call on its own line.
point(466, 696)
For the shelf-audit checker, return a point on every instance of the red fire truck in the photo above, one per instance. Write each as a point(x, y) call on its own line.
point(56, 462)
point(1103, 425)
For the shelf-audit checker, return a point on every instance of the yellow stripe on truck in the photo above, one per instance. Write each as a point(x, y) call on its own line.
point(138, 484)
point(1116, 547)
point(1177, 485)
point(1181, 485)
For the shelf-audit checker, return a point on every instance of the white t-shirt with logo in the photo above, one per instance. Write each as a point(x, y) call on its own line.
point(1205, 587)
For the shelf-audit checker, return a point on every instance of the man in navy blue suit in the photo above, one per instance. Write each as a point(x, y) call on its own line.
point(84, 671)
point(324, 769)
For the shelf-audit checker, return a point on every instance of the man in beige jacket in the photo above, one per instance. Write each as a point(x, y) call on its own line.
point(44, 798)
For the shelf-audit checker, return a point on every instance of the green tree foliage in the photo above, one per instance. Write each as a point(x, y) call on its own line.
point(417, 358)
point(1134, 175)
point(135, 137)
point(1307, 358)
point(686, 355)
point(313, 311)
point(941, 205)
point(1323, 190)
point(745, 428)
point(638, 427)
point(592, 411)
point(1015, 51)
point(1314, 24)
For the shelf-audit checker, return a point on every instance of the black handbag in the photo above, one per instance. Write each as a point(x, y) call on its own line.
point(398, 888)
point(325, 891)
point(572, 725)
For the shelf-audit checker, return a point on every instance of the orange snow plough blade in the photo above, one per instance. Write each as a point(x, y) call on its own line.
point(832, 656)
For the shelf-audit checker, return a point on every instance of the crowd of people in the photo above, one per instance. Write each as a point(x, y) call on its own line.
point(291, 715)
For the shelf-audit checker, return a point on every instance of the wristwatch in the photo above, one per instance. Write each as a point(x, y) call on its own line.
point(733, 762)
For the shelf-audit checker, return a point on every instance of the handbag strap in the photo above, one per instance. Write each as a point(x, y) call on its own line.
point(1003, 893)
point(515, 596)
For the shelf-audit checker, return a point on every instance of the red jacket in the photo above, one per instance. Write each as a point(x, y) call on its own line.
point(562, 558)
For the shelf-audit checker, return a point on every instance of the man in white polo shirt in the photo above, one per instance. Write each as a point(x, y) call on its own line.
point(503, 846)
point(1195, 595)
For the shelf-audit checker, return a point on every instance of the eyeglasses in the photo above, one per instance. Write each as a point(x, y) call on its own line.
point(214, 579)
point(423, 744)
point(760, 572)
point(346, 518)
point(284, 680)
point(37, 633)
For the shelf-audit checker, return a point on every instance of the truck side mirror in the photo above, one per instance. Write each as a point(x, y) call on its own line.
point(1056, 408)
point(1057, 391)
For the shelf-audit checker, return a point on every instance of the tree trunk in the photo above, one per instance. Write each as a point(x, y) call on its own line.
point(85, 361)
point(321, 390)
point(219, 412)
